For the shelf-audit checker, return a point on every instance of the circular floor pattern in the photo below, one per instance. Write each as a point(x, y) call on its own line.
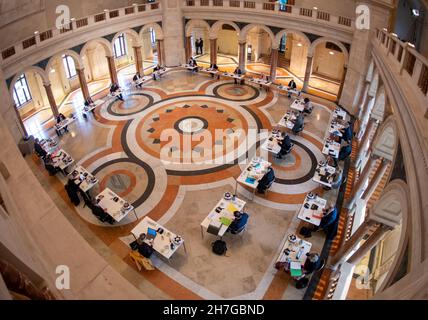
point(234, 92)
point(134, 103)
point(191, 125)
point(295, 168)
point(132, 179)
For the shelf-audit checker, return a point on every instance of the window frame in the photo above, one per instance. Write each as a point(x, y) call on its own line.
point(152, 37)
point(122, 46)
point(24, 84)
point(69, 72)
point(283, 43)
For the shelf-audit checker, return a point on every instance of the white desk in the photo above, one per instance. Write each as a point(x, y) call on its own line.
point(335, 128)
point(209, 71)
point(298, 105)
point(294, 252)
point(49, 145)
point(162, 242)
point(271, 143)
point(142, 80)
point(252, 173)
point(310, 215)
point(83, 178)
point(62, 159)
point(115, 209)
point(92, 106)
point(64, 123)
point(340, 114)
point(289, 90)
point(191, 68)
point(239, 77)
point(331, 148)
point(263, 83)
point(322, 171)
point(288, 120)
point(228, 207)
point(159, 73)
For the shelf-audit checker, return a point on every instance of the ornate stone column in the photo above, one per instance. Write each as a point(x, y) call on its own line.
point(308, 72)
point(213, 51)
point(138, 60)
point(339, 94)
point(20, 122)
point(369, 244)
point(242, 46)
point(188, 49)
point(83, 83)
point(374, 182)
point(159, 44)
point(112, 69)
point(365, 141)
point(365, 175)
point(51, 98)
point(350, 245)
point(273, 63)
point(363, 117)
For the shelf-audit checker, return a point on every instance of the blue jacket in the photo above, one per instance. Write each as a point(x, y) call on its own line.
point(329, 219)
point(238, 224)
point(345, 152)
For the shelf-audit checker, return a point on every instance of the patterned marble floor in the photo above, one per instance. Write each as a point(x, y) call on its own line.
point(129, 147)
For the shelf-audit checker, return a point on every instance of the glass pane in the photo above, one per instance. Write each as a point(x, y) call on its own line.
point(71, 66)
point(15, 98)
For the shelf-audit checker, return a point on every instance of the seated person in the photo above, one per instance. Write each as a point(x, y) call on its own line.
point(59, 118)
point(337, 179)
point(330, 215)
point(73, 192)
point(156, 73)
point(214, 67)
point(307, 108)
point(140, 245)
point(344, 153)
point(285, 145)
point(265, 77)
point(39, 150)
point(312, 263)
point(136, 78)
point(298, 124)
point(88, 102)
point(49, 165)
point(291, 86)
point(101, 214)
point(114, 87)
point(347, 133)
point(266, 181)
point(241, 220)
point(237, 72)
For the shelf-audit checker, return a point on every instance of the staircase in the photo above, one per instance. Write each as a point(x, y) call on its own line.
point(377, 193)
point(282, 61)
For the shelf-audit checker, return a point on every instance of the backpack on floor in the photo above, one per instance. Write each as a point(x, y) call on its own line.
point(302, 283)
point(307, 233)
point(219, 247)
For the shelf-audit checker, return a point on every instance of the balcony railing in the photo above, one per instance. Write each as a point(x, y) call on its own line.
point(410, 61)
point(273, 8)
point(75, 25)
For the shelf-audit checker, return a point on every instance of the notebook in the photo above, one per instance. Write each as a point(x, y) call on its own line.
point(226, 221)
point(295, 269)
point(250, 180)
point(231, 208)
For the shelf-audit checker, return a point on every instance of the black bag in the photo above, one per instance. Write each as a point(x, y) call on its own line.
point(219, 247)
point(302, 283)
point(307, 233)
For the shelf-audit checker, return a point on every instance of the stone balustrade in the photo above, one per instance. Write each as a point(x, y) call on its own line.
point(40, 39)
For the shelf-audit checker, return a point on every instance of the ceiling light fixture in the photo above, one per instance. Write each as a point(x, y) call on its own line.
point(331, 52)
point(299, 44)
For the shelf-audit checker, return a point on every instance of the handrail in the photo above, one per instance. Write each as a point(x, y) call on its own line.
point(76, 24)
point(273, 8)
point(411, 61)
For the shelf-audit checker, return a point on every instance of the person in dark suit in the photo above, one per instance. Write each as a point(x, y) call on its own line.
point(307, 108)
point(59, 118)
point(347, 133)
point(286, 146)
point(72, 192)
point(197, 46)
point(41, 153)
point(201, 45)
point(330, 215)
point(344, 153)
point(214, 67)
point(266, 180)
point(237, 72)
point(143, 248)
point(241, 220)
point(291, 86)
point(115, 87)
point(299, 123)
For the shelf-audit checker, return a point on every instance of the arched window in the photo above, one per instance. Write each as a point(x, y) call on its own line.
point(152, 37)
point(69, 66)
point(283, 43)
point(120, 46)
point(21, 91)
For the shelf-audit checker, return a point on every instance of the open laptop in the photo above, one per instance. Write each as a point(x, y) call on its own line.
point(151, 234)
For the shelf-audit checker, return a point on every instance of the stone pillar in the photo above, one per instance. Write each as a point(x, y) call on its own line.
point(350, 245)
point(83, 83)
point(365, 175)
point(173, 33)
point(138, 60)
point(242, 55)
point(374, 182)
point(364, 115)
point(339, 94)
point(213, 51)
point(363, 98)
point(365, 140)
point(273, 63)
point(20, 123)
point(112, 70)
point(51, 99)
point(308, 72)
point(369, 244)
point(159, 46)
point(188, 49)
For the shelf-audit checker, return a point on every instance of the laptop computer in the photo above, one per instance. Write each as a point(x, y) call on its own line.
point(214, 228)
point(151, 234)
